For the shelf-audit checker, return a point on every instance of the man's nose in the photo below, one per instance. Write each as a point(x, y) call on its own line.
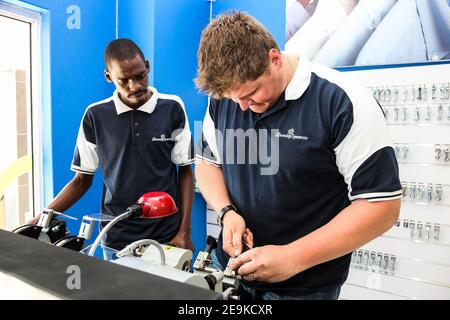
point(244, 103)
point(134, 86)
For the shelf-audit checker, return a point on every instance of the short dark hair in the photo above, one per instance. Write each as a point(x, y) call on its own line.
point(234, 48)
point(120, 50)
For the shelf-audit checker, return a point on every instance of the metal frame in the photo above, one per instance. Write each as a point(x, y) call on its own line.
point(33, 90)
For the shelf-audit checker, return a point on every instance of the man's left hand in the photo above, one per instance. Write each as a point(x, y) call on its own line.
point(266, 264)
point(183, 240)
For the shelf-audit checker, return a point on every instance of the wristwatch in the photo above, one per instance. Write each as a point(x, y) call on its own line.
point(222, 213)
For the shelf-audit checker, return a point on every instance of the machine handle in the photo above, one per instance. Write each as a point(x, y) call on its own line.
point(211, 243)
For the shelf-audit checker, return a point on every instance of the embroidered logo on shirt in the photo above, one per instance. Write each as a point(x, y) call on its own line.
point(162, 139)
point(290, 135)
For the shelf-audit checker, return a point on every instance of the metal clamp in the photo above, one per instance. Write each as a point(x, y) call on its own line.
point(438, 193)
point(417, 114)
point(397, 151)
point(427, 231)
point(405, 94)
point(430, 193)
point(404, 188)
point(446, 150)
point(405, 223)
point(420, 191)
point(388, 95)
point(228, 272)
point(412, 191)
point(428, 114)
point(419, 230)
point(405, 150)
point(437, 152)
point(437, 231)
point(412, 228)
point(404, 116)
point(391, 265)
point(440, 111)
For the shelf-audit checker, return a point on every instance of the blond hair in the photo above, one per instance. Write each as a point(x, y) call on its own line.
point(234, 48)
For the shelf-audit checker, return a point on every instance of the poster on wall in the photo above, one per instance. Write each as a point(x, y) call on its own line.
point(339, 33)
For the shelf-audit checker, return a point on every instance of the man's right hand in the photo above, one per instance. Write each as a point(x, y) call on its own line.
point(34, 220)
point(70, 194)
point(234, 231)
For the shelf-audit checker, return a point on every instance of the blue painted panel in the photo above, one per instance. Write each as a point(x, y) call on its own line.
point(137, 22)
point(178, 25)
point(169, 32)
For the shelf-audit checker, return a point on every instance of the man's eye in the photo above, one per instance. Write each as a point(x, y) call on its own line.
point(122, 81)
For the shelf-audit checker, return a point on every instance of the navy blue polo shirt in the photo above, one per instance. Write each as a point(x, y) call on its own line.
point(292, 169)
point(137, 151)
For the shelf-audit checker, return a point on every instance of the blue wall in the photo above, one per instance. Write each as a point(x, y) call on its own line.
point(178, 26)
point(137, 22)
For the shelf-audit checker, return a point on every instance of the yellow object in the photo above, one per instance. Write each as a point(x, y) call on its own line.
point(16, 169)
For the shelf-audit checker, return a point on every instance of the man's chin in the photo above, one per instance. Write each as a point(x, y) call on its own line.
point(259, 108)
point(137, 101)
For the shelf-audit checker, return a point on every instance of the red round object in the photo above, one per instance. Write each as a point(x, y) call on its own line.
point(157, 205)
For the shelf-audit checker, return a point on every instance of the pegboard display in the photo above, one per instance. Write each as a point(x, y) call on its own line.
point(412, 259)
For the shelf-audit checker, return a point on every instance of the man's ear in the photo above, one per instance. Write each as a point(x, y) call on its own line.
point(275, 56)
point(108, 76)
point(147, 65)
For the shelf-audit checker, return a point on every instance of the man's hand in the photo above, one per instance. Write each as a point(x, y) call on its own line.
point(183, 240)
point(234, 231)
point(248, 238)
point(70, 194)
point(267, 264)
point(34, 220)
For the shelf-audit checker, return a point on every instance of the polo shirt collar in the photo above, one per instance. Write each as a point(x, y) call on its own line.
point(147, 107)
point(296, 87)
point(301, 79)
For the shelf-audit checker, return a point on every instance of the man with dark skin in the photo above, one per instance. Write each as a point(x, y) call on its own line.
point(138, 137)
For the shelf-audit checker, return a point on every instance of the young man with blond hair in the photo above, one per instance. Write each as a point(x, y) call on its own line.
point(333, 183)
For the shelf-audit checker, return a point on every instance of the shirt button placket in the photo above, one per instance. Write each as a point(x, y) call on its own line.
point(136, 125)
point(135, 128)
